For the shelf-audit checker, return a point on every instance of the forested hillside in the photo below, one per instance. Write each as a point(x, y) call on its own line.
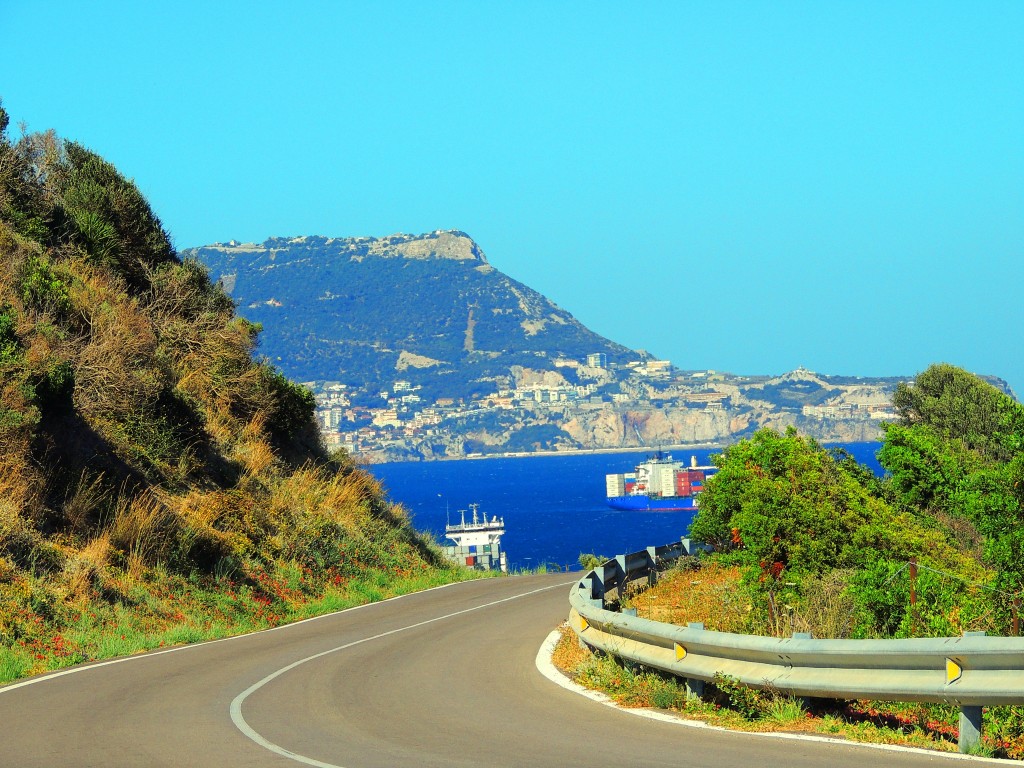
point(426, 308)
point(156, 483)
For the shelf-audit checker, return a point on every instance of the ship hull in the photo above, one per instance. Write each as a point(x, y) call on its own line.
point(642, 503)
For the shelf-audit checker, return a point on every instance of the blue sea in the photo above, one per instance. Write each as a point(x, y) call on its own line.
point(554, 506)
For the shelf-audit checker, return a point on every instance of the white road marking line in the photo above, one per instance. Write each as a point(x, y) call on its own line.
point(192, 646)
point(250, 732)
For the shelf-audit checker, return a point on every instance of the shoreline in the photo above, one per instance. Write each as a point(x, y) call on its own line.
point(540, 454)
point(572, 452)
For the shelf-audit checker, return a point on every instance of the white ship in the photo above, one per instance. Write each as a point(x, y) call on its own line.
point(478, 542)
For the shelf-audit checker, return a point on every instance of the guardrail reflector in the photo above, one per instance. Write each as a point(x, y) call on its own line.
point(583, 623)
point(953, 671)
point(680, 652)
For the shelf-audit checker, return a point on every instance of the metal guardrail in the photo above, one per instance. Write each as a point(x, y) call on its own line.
point(971, 671)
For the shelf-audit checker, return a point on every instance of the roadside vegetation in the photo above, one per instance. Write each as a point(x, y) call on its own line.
point(726, 704)
point(804, 539)
point(158, 484)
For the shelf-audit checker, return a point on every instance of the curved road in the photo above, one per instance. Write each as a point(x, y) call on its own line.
point(440, 678)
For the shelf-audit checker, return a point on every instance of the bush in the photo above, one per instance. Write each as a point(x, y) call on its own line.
point(44, 288)
point(753, 704)
point(748, 702)
point(293, 405)
point(10, 346)
point(591, 561)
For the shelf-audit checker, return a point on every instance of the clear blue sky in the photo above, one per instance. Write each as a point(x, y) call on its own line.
point(742, 186)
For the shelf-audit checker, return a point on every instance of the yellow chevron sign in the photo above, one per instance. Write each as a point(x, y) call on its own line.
point(953, 671)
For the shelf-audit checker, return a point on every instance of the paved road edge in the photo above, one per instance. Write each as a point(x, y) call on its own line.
point(154, 652)
point(547, 668)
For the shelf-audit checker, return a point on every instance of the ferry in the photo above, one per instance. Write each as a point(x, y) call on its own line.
point(477, 541)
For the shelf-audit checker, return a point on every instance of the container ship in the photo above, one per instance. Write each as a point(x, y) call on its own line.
point(659, 484)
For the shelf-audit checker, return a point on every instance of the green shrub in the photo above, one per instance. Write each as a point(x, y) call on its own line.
point(10, 346)
point(44, 288)
point(55, 388)
point(748, 702)
point(591, 561)
point(293, 405)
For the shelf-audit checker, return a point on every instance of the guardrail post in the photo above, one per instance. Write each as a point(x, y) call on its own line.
point(621, 575)
point(694, 686)
point(594, 588)
point(970, 729)
point(652, 566)
point(805, 701)
point(970, 720)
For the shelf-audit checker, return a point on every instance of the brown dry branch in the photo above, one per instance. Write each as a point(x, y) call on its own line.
point(115, 372)
point(826, 608)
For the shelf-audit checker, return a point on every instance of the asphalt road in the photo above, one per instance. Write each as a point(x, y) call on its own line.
point(441, 678)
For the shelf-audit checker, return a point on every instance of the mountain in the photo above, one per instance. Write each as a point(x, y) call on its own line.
point(417, 347)
point(425, 308)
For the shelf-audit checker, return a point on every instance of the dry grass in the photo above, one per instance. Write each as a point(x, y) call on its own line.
point(88, 569)
point(253, 450)
point(143, 526)
point(826, 609)
point(14, 530)
point(84, 502)
point(211, 524)
point(715, 595)
point(712, 595)
point(17, 481)
point(341, 498)
point(569, 653)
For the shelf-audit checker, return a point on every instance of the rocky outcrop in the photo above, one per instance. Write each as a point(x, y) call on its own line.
point(411, 360)
point(441, 244)
point(530, 377)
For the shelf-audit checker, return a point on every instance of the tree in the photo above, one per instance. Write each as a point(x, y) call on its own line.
point(957, 405)
point(114, 221)
point(791, 508)
point(958, 453)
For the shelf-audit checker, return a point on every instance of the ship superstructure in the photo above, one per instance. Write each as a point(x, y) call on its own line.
point(477, 542)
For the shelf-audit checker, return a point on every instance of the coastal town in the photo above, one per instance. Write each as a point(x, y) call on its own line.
point(591, 404)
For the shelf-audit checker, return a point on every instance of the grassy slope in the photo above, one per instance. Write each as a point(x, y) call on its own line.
point(157, 485)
